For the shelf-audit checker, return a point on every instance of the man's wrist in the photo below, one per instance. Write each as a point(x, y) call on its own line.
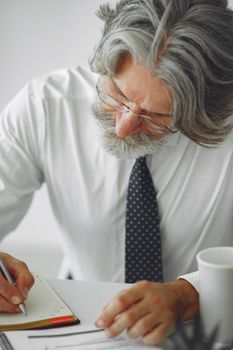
point(187, 299)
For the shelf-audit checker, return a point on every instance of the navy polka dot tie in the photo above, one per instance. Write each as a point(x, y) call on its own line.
point(143, 259)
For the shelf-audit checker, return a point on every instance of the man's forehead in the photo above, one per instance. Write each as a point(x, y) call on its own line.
point(140, 85)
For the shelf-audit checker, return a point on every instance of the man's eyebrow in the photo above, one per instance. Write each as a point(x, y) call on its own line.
point(144, 111)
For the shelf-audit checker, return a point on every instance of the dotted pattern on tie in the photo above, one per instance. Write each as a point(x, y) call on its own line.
point(143, 259)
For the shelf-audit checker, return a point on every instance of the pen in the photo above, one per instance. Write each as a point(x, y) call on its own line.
point(8, 277)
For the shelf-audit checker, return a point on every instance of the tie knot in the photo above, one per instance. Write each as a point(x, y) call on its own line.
point(141, 160)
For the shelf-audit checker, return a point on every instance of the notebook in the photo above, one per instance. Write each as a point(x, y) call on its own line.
point(44, 308)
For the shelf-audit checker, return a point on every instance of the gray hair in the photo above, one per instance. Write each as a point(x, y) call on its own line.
point(188, 44)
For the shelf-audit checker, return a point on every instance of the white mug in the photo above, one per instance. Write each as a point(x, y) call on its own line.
point(216, 291)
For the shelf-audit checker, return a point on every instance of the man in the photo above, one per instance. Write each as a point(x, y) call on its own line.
point(164, 90)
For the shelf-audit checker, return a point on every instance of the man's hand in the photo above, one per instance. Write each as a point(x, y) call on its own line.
point(149, 310)
point(12, 295)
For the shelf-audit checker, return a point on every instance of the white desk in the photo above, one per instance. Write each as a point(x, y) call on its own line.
point(86, 299)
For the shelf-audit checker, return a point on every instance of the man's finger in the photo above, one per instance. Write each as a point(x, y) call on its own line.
point(128, 318)
point(20, 274)
point(143, 326)
point(6, 306)
point(158, 334)
point(24, 282)
point(10, 292)
point(121, 302)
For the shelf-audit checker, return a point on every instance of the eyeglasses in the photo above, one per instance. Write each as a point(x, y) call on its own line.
point(122, 104)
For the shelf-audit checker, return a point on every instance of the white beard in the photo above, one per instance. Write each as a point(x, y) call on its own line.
point(135, 146)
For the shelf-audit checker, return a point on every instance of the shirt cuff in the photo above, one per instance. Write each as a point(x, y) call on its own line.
point(192, 278)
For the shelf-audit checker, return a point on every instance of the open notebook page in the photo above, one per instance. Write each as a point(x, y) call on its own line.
point(44, 308)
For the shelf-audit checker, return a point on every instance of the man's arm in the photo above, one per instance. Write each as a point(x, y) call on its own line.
point(21, 124)
point(150, 310)
point(20, 177)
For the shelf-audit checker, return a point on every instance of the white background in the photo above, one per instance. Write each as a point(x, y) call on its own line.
point(37, 36)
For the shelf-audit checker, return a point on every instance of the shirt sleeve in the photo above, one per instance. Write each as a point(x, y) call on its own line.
point(192, 278)
point(21, 137)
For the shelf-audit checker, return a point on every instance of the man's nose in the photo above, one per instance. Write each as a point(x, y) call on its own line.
point(127, 123)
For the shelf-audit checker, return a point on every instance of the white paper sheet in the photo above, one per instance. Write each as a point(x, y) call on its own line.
point(87, 340)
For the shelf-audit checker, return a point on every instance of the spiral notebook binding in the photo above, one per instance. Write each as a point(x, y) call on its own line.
point(5, 343)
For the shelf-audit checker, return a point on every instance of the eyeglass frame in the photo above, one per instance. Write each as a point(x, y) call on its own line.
point(122, 107)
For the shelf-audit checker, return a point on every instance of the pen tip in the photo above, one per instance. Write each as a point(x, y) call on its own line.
point(23, 309)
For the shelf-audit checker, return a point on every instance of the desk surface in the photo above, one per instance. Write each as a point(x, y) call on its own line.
point(86, 299)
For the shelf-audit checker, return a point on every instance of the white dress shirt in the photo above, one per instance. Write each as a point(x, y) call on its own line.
point(47, 135)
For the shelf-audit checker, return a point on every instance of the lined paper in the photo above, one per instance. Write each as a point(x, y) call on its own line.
point(43, 303)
